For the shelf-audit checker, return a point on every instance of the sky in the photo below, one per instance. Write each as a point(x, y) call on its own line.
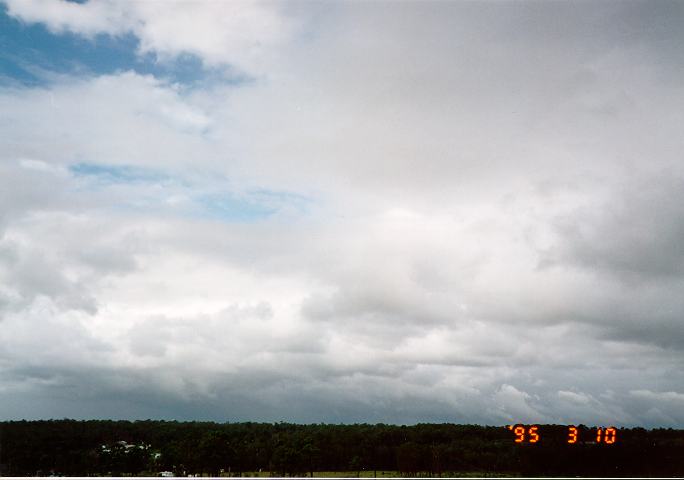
point(342, 212)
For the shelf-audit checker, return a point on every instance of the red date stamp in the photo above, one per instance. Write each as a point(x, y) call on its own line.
point(533, 434)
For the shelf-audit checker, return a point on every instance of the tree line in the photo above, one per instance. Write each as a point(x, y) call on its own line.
point(120, 448)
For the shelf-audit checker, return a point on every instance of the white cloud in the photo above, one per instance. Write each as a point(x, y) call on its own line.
point(516, 406)
point(124, 119)
point(578, 398)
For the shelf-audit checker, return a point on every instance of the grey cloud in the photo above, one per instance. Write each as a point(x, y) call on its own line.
point(228, 329)
point(629, 242)
point(31, 275)
point(633, 234)
point(662, 407)
point(29, 271)
point(25, 189)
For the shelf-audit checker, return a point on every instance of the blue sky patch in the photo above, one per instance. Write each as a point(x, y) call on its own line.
point(203, 197)
point(252, 205)
point(229, 207)
point(110, 174)
point(30, 52)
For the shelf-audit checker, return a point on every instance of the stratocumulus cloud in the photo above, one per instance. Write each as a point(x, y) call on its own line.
point(394, 212)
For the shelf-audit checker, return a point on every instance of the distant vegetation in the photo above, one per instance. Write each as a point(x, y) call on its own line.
point(81, 448)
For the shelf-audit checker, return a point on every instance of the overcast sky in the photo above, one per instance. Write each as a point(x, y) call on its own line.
point(354, 211)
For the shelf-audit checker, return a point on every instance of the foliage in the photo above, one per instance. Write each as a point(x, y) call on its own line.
point(83, 448)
